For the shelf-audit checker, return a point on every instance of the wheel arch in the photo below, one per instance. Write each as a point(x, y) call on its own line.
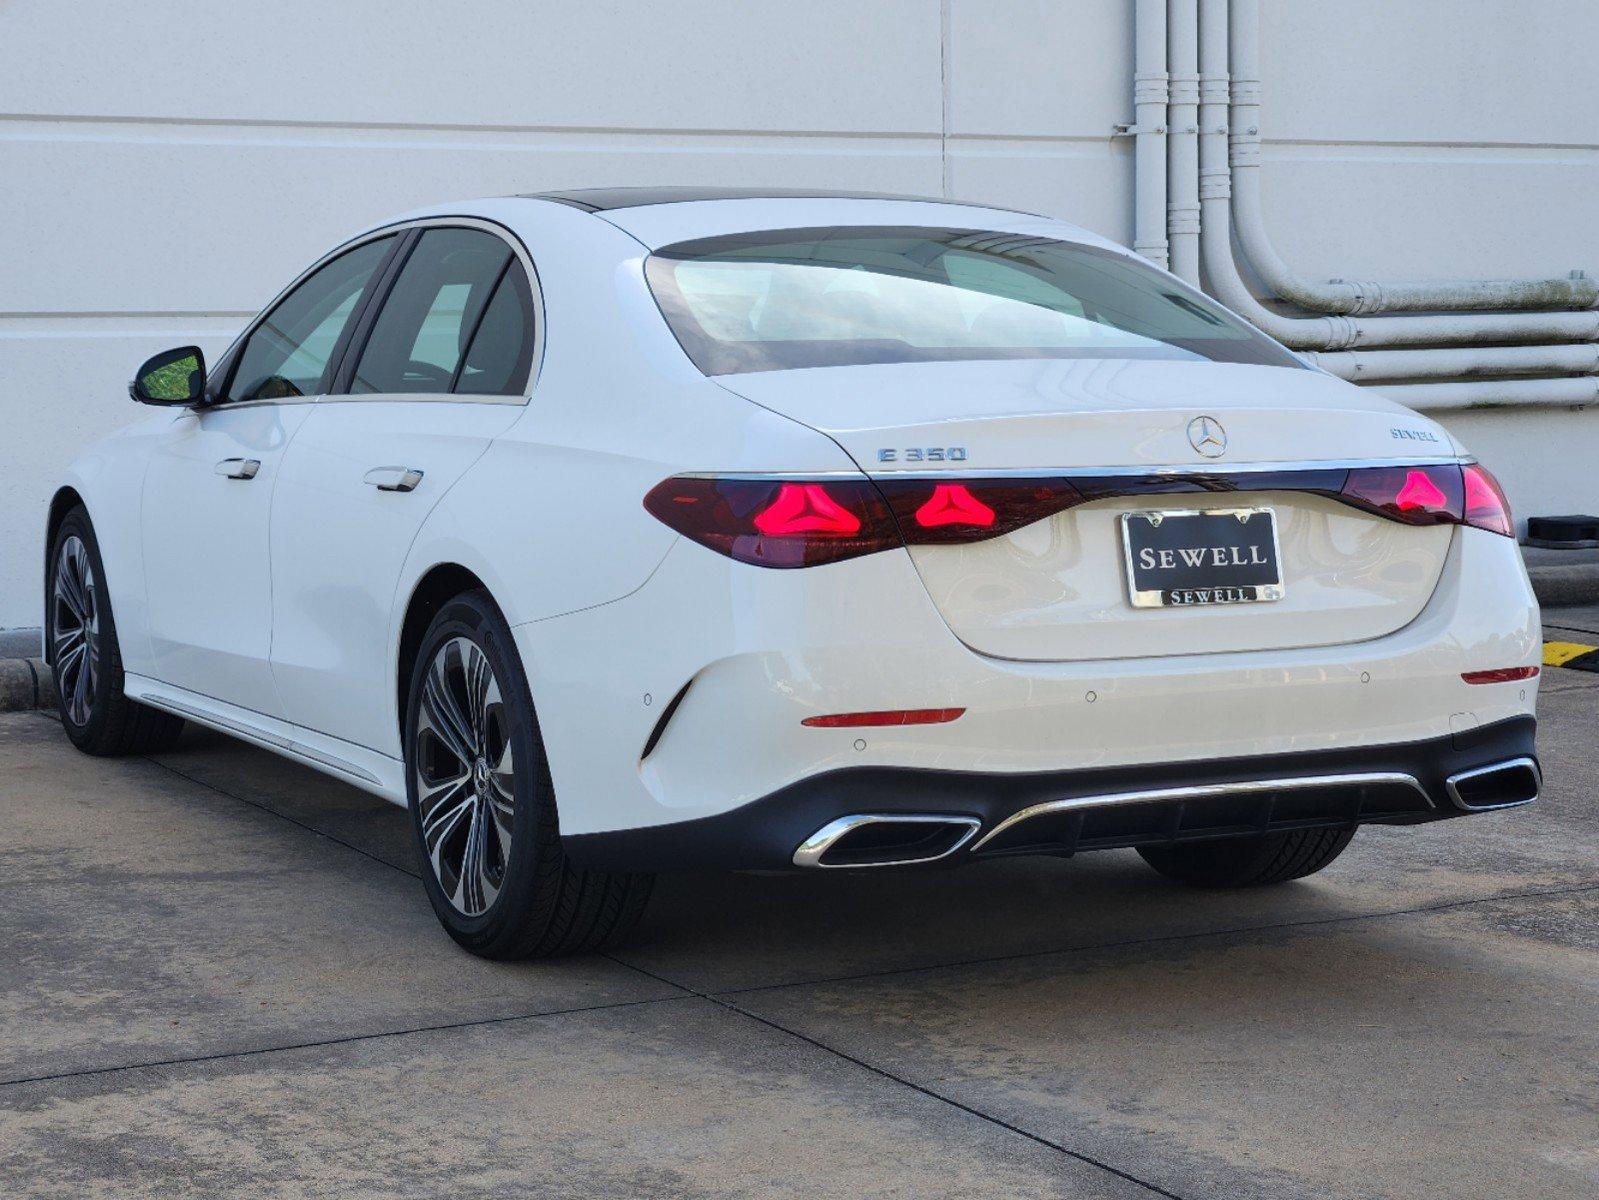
point(438, 585)
point(64, 501)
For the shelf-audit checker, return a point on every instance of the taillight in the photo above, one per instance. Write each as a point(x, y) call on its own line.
point(1486, 506)
point(805, 508)
point(1415, 495)
point(1432, 495)
point(807, 522)
point(777, 523)
point(953, 504)
point(934, 512)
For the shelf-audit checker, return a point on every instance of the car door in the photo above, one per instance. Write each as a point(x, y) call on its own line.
point(439, 367)
point(207, 493)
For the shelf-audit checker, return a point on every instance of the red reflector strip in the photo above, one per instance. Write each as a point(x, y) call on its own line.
point(1500, 675)
point(893, 716)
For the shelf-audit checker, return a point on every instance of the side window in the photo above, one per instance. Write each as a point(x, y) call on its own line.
point(287, 353)
point(501, 351)
point(455, 315)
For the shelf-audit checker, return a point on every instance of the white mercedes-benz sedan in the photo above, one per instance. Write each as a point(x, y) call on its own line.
point(622, 531)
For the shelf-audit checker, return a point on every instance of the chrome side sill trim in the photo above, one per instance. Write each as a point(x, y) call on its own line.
point(819, 843)
point(1204, 791)
point(262, 737)
point(1509, 764)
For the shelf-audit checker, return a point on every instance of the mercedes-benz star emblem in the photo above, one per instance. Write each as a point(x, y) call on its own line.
point(1206, 435)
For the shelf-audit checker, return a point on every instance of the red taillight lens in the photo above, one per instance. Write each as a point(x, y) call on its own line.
point(938, 513)
point(777, 523)
point(805, 508)
point(807, 522)
point(954, 504)
point(1420, 492)
point(1486, 506)
point(1432, 495)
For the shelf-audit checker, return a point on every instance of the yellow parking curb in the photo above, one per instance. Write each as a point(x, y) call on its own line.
point(1571, 654)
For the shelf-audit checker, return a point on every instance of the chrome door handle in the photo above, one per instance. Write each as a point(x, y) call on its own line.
point(238, 468)
point(394, 479)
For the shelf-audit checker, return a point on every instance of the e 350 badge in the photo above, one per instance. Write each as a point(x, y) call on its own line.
point(916, 454)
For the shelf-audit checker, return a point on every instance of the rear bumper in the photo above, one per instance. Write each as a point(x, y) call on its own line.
point(1065, 812)
point(686, 699)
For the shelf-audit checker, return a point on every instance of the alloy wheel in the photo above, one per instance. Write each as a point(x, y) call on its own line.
point(75, 629)
point(465, 776)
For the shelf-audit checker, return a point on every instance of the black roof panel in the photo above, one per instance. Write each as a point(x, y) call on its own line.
point(603, 199)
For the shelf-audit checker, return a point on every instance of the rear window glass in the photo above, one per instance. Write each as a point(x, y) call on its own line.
point(852, 295)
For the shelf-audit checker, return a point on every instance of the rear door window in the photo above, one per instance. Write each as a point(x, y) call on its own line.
point(458, 319)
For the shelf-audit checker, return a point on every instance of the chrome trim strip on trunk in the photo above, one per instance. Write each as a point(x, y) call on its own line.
point(1509, 764)
point(972, 470)
point(819, 843)
point(1205, 791)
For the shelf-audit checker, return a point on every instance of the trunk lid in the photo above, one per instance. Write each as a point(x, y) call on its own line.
point(1057, 589)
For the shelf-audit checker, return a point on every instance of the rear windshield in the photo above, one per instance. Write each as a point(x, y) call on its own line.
point(849, 295)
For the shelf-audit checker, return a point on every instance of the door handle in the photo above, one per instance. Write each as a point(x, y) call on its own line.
point(394, 479)
point(238, 468)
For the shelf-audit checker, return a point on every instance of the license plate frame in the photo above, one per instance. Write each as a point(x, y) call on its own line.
point(1259, 585)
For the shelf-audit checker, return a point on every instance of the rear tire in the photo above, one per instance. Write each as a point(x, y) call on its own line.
point(84, 653)
point(1251, 861)
point(483, 813)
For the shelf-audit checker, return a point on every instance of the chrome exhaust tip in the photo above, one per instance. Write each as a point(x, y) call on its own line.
point(885, 840)
point(1505, 784)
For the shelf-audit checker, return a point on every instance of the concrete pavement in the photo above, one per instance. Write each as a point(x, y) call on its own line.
point(219, 977)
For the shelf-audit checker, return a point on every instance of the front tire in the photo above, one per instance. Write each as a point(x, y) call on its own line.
point(86, 657)
point(483, 813)
point(1249, 861)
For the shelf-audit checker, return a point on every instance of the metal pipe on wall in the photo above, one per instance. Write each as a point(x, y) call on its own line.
point(1463, 362)
point(1150, 93)
point(1518, 393)
point(1332, 331)
point(1350, 296)
point(1182, 145)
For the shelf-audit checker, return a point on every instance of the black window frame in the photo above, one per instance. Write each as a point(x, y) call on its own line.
point(340, 368)
point(360, 330)
point(220, 380)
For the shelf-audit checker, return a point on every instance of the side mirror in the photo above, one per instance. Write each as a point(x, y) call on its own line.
point(175, 377)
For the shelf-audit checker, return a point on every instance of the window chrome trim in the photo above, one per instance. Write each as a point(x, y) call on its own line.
point(255, 322)
point(536, 364)
point(1205, 792)
point(504, 232)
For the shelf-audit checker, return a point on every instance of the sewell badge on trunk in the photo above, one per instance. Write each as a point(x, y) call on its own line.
point(1183, 557)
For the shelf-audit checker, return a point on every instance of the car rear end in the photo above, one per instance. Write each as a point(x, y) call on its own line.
point(1078, 581)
